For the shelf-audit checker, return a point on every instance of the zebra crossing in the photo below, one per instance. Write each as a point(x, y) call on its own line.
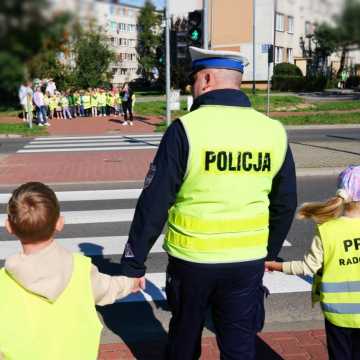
point(91, 143)
point(97, 223)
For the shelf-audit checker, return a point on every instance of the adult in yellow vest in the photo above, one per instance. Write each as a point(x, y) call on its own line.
point(335, 252)
point(86, 99)
point(224, 178)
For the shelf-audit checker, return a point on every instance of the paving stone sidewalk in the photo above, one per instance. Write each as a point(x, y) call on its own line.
point(293, 345)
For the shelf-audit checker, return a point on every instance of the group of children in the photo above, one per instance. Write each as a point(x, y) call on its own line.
point(48, 295)
point(92, 102)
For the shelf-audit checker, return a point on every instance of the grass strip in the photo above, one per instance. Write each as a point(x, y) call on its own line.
point(322, 119)
point(22, 129)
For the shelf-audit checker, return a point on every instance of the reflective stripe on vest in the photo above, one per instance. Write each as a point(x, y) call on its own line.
point(34, 328)
point(221, 211)
point(340, 282)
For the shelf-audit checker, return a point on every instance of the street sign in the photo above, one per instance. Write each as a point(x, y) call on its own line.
point(175, 100)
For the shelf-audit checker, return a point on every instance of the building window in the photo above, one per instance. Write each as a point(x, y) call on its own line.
point(279, 22)
point(279, 54)
point(289, 55)
point(308, 28)
point(290, 25)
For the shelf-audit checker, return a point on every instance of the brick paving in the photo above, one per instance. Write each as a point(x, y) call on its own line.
point(292, 345)
point(109, 166)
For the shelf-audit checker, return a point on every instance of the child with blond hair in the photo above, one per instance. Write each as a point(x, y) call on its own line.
point(48, 294)
point(334, 259)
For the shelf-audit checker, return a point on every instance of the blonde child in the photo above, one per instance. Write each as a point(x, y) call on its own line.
point(334, 259)
point(58, 108)
point(52, 106)
point(94, 103)
point(48, 295)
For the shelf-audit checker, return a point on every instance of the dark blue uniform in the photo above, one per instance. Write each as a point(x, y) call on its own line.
point(192, 287)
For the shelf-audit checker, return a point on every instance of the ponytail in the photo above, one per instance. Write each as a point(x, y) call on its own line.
point(321, 212)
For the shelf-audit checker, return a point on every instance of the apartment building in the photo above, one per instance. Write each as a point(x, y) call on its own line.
point(118, 21)
point(231, 28)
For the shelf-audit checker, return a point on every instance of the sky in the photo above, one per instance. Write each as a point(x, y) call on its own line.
point(158, 3)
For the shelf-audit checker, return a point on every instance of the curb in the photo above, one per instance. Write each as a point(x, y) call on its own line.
point(322, 127)
point(327, 171)
point(12, 136)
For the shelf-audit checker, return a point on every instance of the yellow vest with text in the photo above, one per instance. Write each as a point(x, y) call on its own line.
point(34, 328)
point(221, 212)
point(340, 281)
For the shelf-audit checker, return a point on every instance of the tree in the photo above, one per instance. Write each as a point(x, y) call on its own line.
point(26, 30)
point(92, 57)
point(149, 38)
point(348, 29)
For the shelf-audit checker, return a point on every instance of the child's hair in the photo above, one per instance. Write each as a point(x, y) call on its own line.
point(33, 211)
point(330, 209)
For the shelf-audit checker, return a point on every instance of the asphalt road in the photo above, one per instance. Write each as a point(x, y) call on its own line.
point(91, 228)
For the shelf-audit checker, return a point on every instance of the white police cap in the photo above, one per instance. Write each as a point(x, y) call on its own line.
point(206, 59)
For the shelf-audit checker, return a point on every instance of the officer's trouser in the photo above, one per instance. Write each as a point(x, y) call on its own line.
point(236, 296)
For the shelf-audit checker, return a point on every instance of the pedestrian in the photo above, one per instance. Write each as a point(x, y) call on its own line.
point(86, 99)
point(126, 101)
point(65, 106)
point(53, 106)
point(58, 109)
point(25, 92)
point(38, 99)
point(334, 253)
point(47, 99)
point(48, 295)
point(94, 103)
point(102, 102)
point(224, 179)
point(50, 87)
point(72, 103)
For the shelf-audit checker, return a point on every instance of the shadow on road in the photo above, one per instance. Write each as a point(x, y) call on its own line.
point(134, 322)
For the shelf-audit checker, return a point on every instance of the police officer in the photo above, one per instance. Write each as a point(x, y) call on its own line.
point(224, 178)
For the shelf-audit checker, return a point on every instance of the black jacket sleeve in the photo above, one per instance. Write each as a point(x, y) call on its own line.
point(162, 183)
point(283, 203)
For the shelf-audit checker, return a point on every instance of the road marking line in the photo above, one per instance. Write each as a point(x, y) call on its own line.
point(88, 195)
point(97, 137)
point(88, 149)
point(118, 143)
point(91, 216)
point(277, 283)
point(90, 246)
point(99, 141)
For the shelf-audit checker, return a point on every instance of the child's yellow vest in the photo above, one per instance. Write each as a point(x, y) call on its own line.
point(33, 328)
point(340, 281)
point(221, 213)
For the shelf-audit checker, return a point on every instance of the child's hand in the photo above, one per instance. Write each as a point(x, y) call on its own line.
point(273, 266)
point(139, 284)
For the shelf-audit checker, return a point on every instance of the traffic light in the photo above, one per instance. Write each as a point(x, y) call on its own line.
point(179, 46)
point(195, 29)
point(160, 56)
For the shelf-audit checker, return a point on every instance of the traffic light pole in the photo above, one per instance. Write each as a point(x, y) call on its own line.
point(254, 47)
point(206, 24)
point(167, 35)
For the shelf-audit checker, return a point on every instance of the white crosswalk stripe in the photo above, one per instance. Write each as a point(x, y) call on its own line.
point(98, 244)
point(92, 143)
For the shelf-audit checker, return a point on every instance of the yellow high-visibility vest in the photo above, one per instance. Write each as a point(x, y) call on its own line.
point(340, 280)
point(221, 211)
point(34, 328)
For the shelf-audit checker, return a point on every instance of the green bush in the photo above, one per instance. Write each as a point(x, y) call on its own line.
point(352, 82)
point(286, 69)
point(315, 83)
point(287, 83)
